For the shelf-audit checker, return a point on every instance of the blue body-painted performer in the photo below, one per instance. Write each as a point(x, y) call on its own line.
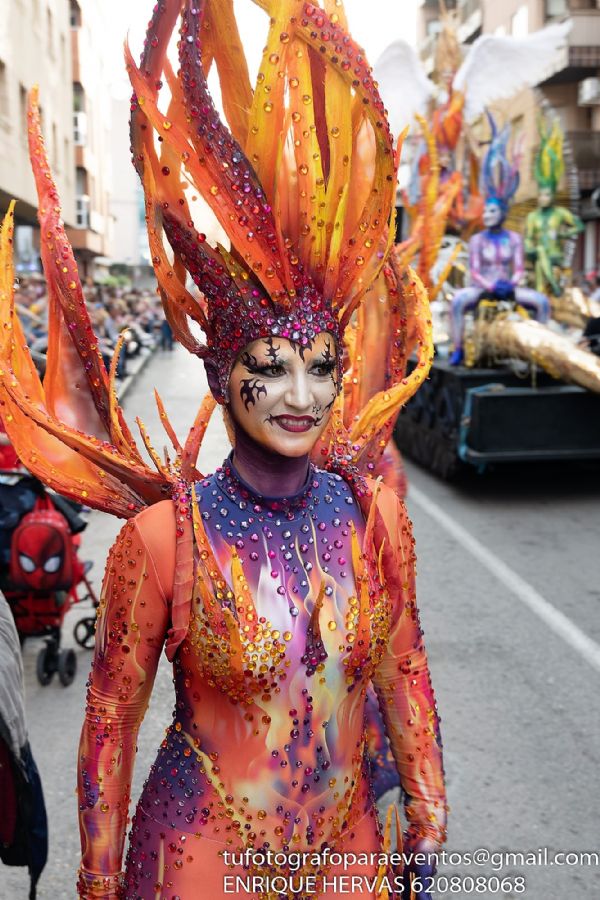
point(496, 256)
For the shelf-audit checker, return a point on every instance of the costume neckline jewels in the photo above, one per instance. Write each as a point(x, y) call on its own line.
point(240, 492)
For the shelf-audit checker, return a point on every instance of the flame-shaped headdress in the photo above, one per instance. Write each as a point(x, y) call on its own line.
point(303, 181)
point(307, 204)
point(549, 162)
point(500, 172)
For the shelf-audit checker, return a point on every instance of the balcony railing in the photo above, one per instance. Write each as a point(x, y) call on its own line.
point(586, 154)
point(582, 49)
point(82, 211)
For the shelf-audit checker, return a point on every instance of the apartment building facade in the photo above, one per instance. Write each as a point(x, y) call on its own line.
point(571, 87)
point(42, 57)
point(50, 43)
point(91, 233)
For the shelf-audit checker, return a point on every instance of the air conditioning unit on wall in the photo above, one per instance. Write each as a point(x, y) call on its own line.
point(589, 92)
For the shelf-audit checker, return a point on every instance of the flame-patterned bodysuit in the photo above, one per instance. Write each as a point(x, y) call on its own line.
point(296, 605)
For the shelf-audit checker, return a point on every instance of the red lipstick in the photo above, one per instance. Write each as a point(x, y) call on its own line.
point(296, 424)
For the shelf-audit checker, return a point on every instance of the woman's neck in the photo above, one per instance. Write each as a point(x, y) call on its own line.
point(270, 474)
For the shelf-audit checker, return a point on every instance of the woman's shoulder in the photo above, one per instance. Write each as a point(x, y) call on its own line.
point(390, 506)
point(152, 518)
point(157, 528)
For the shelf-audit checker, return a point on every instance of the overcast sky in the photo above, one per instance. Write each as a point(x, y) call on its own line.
point(373, 23)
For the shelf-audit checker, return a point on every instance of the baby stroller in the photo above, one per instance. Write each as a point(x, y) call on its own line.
point(41, 573)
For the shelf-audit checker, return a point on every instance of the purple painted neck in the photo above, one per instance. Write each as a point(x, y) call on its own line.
point(496, 231)
point(270, 474)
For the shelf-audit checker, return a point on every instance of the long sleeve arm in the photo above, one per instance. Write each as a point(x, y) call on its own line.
point(131, 628)
point(571, 225)
point(403, 686)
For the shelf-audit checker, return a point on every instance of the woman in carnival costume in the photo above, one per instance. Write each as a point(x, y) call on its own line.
point(279, 590)
point(549, 227)
point(496, 257)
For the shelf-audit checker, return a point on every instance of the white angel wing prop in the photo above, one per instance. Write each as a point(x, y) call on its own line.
point(403, 84)
point(495, 68)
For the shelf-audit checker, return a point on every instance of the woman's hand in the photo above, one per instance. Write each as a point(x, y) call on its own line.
point(424, 870)
point(503, 289)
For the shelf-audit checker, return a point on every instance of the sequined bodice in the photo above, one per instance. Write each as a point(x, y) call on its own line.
point(287, 626)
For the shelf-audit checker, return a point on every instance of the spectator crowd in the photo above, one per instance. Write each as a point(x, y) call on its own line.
point(134, 312)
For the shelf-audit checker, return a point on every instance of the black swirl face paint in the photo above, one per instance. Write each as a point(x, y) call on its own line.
point(329, 359)
point(250, 390)
point(320, 412)
point(301, 349)
point(272, 351)
point(328, 356)
point(249, 360)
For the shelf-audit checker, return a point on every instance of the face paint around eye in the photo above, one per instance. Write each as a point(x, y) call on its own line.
point(328, 356)
point(250, 390)
point(249, 361)
point(272, 350)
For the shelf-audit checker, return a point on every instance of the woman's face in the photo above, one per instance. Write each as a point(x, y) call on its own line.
point(282, 394)
point(492, 214)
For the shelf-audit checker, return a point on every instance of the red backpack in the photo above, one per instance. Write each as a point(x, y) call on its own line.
point(41, 551)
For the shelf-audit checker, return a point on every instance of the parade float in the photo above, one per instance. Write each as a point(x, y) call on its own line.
point(506, 388)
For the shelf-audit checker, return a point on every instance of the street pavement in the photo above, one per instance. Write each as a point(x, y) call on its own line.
point(501, 557)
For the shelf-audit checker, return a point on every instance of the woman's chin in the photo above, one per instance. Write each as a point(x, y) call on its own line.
point(289, 443)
